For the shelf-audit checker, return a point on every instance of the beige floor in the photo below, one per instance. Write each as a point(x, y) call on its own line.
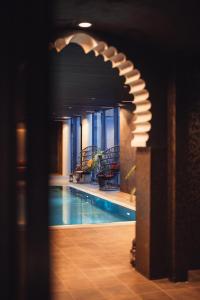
point(93, 264)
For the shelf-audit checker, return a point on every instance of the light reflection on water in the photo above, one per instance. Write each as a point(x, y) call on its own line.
point(71, 206)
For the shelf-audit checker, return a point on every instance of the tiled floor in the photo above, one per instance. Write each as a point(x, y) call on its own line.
point(93, 264)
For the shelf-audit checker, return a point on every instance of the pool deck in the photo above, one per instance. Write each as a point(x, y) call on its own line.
point(113, 196)
point(94, 264)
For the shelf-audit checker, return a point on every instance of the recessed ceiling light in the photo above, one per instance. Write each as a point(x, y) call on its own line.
point(85, 24)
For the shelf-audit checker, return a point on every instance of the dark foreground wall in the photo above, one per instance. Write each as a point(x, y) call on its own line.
point(168, 213)
point(189, 93)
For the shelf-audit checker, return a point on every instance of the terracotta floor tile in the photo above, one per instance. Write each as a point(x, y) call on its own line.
point(132, 277)
point(143, 288)
point(62, 296)
point(106, 281)
point(97, 273)
point(87, 294)
point(165, 284)
point(184, 294)
point(94, 264)
point(124, 297)
point(117, 291)
point(194, 283)
point(155, 296)
point(119, 270)
point(58, 286)
point(74, 284)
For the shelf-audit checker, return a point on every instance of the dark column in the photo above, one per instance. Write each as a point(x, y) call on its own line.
point(103, 130)
point(162, 192)
point(151, 205)
point(191, 93)
point(36, 51)
point(55, 148)
point(8, 208)
point(177, 180)
point(37, 181)
point(116, 126)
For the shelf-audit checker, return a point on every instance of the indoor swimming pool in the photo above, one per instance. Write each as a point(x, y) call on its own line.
point(69, 206)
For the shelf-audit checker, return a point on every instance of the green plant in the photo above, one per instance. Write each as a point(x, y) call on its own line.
point(96, 159)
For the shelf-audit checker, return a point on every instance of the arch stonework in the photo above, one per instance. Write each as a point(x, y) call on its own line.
point(142, 114)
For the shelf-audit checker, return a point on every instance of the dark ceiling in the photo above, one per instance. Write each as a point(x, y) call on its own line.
point(168, 23)
point(82, 82)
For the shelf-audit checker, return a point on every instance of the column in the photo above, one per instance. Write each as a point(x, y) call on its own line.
point(66, 151)
point(151, 188)
point(151, 217)
point(178, 179)
point(127, 153)
point(86, 130)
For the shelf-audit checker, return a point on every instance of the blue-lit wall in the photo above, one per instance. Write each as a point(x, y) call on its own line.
point(104, 131)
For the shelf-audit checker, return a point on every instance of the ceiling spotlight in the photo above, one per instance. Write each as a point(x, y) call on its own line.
point(85, 24)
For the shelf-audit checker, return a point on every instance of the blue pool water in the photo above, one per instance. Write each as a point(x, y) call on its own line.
point(71, 206)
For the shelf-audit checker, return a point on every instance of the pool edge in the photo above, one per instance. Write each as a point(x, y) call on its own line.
point(123, 223)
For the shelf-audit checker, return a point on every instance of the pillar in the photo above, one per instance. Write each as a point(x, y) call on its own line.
point(151, 217)
point(86, 130)
point(178, 200)
point(66, 151)
point(9, 275)
point(127, 153)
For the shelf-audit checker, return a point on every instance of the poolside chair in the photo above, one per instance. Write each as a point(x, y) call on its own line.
point(109, 169)
point(83, 170)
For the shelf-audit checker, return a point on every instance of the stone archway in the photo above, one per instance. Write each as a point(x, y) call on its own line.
point(142, 114)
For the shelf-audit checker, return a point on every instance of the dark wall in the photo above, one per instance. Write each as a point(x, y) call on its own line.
point(56, 148)
point(189, 94)
point(193, 184)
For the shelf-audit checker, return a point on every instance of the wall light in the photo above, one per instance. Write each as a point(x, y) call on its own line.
point(85, 24)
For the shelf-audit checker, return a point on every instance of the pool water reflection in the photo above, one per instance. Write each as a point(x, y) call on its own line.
point(70, 206)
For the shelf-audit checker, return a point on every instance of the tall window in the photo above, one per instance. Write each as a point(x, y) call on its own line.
point(105, 128)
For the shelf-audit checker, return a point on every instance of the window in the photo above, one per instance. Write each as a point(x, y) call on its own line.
point(105, 128)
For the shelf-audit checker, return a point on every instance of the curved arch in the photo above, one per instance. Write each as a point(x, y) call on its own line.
point(132, 78)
